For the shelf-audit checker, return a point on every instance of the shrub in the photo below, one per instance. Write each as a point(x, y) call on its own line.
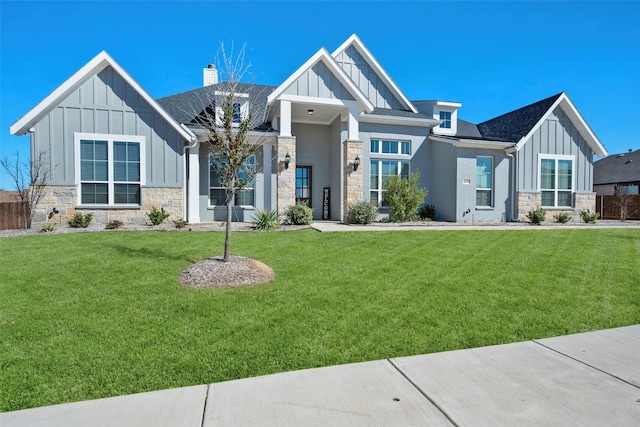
point(427, 212)
point(403, 195)
point(562, 217)
point(537, 215)
point(48, 227)
point(299, 215)
point(112, 225)
point(80, 221)
point(589, 217)
point(180, 223)
point(362, 212)
point(266, 220)
point(156, 216)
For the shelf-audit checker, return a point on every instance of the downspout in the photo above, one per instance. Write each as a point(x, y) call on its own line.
point(513, 184)
point(185, 188)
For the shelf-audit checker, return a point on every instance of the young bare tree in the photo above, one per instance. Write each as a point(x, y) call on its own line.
point(228, 122)
point(30, 180)
point(624, 200)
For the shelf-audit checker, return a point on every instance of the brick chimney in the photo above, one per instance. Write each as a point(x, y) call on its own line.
point(209, 75)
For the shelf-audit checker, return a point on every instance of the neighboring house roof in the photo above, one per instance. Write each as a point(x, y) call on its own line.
point(371, 60)
point(516, 124)
point(186, 107)
point(323, 55)
point(617, 168)
point(91, 68)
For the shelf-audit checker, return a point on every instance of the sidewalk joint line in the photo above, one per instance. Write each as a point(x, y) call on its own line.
point(204, 408)
point(586, 364)
point(422, 392)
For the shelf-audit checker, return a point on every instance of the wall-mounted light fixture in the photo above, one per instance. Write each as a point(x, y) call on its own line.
point(287, 160)
point(310, 111)
point(356, 163)
point(53, 212)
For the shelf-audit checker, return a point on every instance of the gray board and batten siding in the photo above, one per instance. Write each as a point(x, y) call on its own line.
point(557, 136)
point(319, 81)
point(107, 104)
point(366, 79)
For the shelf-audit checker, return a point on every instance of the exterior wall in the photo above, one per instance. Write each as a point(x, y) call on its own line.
point(444, 177)
point(320, 82)
point(65, 199)
point(367, 80)
point(556, 135)
point(466, 209)
point(107, 104)
point(353, 180)
point(338, 132)
point(420, 160)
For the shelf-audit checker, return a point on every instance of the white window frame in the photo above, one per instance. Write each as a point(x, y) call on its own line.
point(400, 142)
point(252, 187)
point(380, 191)
point(557, 157)
point(238, 98)
point(110, 138)
point(478, 188)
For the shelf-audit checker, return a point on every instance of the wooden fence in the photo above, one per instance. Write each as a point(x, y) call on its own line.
point(12, 215)
point(609, 207)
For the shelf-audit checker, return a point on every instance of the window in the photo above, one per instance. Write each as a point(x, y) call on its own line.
point(484, 181)
point(217, 193)
point(237, 116)
point(390, 147)
point(629, 189)
point(379, 173)
point(556, 180)
point(110, 169)
point(445, 116)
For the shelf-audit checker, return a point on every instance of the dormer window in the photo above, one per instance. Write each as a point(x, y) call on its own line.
point(237, 112)
point(445, 116)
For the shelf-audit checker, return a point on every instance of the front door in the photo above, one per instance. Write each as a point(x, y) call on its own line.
point(303, 185)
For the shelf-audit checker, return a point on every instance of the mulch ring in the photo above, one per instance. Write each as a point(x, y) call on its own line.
point(239, 271)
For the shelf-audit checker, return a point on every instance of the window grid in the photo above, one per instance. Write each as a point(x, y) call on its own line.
point(556, 182)
point(105, 166)
point(445, 116)
point(379, 173)
point(484, 181)
point(384, 146)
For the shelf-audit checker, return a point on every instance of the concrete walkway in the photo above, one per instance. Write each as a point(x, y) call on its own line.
point(590, 379)
point(333, 226)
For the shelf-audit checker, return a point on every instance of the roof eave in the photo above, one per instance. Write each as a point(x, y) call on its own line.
point(397, 120)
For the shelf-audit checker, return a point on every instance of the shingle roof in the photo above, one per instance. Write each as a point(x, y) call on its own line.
point(185, 107)
point(514, 125)
point(468, 130)
point(617, 168)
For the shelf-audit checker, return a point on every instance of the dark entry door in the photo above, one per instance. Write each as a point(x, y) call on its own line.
point(303, 185)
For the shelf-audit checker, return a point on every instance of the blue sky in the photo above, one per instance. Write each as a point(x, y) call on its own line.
point(491, 56)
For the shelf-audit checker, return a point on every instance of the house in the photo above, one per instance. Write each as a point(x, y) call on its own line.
point(618, 171)
point(331, 134)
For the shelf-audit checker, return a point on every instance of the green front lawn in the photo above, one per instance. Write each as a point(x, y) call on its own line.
point(90, 315)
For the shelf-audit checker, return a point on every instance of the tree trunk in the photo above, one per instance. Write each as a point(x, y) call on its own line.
point(227, 238)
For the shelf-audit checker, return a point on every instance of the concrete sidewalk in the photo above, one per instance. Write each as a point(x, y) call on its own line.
point(590, 379)
point(333, 226)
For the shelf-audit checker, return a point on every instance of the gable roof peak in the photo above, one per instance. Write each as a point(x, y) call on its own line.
point(355, 41)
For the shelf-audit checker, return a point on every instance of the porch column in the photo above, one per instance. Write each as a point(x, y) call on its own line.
point(266, 168)
point(353, 124)
point(286, 176)
point(193, 189)
point(285, 118)
point(353, 180)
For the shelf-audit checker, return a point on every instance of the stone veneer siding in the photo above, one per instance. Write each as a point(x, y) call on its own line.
point(286, 177)
point(65, 200)
point(528, 201)
point(353, 180)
